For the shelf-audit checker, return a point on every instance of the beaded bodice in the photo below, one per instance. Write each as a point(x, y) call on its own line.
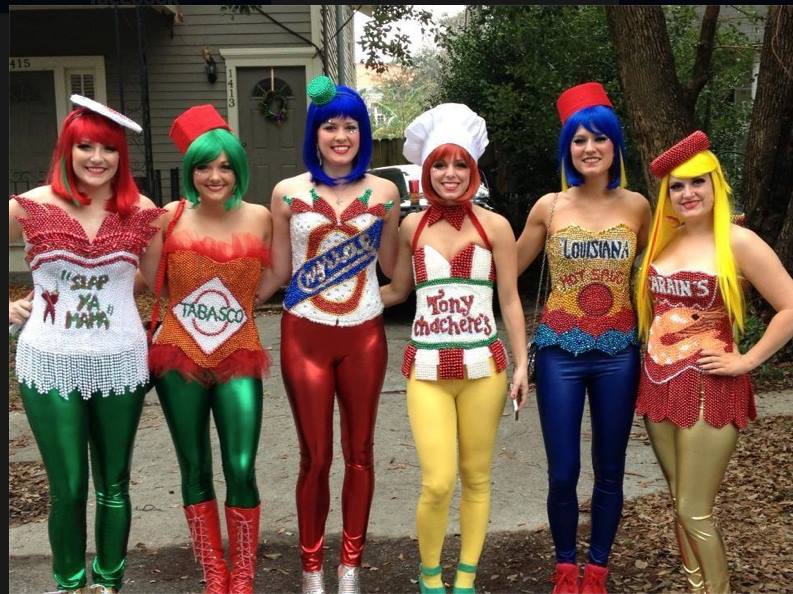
point(454, 331)
point(211, 290)
point(85, 331)
point(589, 305)
point(334, 260)
point(689, 316)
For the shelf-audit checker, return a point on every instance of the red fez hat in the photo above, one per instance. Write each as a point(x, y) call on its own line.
point(192, 123)
point(694, 143)
point(580, 96)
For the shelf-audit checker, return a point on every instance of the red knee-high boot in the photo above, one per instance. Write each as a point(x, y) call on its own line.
point(243, 526)
point(204, 522)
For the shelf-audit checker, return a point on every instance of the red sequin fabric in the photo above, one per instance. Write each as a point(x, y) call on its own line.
point(689, 315)
point(679, 153)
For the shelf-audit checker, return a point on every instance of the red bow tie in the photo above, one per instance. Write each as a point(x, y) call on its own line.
point(455, 215)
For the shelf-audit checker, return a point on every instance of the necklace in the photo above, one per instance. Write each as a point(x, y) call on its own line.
point(339, 199)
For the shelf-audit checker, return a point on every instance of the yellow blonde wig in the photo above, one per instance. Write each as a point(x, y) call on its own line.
point(664, 227)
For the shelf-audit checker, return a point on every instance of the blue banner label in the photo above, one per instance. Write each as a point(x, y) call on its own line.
point(338, 264)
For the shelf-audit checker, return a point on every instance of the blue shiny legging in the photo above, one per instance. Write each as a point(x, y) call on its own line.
point(563, 379)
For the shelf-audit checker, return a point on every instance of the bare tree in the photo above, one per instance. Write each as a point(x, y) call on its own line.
point(767, 190)
point(661, 107)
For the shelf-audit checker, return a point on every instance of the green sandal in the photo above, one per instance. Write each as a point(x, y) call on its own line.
point(464, 567)
point(430, 571)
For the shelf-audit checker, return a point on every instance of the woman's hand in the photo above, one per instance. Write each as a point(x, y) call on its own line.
point(520, 386)
point(721, 363)
point(19, 311)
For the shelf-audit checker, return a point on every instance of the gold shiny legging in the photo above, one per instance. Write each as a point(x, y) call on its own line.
point(453, 419)
point(693, 461)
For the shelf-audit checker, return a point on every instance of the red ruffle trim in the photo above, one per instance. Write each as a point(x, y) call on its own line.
point(242, 245)
point(727, 399)
point(560, 321)
point(242, 363)
point(450, 361)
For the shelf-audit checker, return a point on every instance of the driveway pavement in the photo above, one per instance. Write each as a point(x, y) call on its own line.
point(519, 470)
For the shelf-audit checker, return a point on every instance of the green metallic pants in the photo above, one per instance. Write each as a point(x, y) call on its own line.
point(66, 430)
point(236, 406)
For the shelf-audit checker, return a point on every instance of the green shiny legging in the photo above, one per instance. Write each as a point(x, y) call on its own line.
point(66, 429)
point(236, 406)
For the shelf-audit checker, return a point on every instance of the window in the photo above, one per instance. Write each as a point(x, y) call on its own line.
point(81, 82)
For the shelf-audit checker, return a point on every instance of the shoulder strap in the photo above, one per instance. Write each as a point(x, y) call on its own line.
point(470, 210)
point(542, 266)
point(419, 229)
point(161, 268)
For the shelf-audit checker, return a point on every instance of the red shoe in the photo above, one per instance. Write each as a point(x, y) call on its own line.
point(204, 523)
point(243, 527)
point(565, 580)
point(594, 581)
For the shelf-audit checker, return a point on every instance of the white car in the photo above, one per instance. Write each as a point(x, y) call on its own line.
point(402, 175)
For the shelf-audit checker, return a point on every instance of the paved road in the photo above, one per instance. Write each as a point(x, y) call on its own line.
point(519, 487)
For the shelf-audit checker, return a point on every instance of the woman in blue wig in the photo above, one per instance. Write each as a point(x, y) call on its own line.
point(331, 225)
point(591, 232)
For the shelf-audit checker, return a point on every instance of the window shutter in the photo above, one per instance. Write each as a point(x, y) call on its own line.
point(82, 83)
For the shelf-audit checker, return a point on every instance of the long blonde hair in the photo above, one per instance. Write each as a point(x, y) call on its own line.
point(663, 230)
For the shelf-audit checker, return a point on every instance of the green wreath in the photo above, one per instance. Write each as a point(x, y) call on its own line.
point(273, 105)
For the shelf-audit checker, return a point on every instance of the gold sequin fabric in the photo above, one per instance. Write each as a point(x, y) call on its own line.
point(589, 305)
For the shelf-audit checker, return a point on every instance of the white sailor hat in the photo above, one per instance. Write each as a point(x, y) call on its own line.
point(104, 110)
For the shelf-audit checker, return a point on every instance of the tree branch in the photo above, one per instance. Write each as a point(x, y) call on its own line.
point(701, 72)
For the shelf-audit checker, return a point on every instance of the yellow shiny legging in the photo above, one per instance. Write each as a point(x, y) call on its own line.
point(693, 461)
point(451, 419)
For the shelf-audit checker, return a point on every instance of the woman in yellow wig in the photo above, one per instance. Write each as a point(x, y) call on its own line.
point(694, 390)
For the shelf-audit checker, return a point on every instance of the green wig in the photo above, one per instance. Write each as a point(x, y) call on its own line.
point(208, 147)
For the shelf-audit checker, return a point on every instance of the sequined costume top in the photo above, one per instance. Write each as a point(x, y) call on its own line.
point(689, 315)
point(84, 332)
point(208, 332)
point(334, 276)
point(589, 305)
point(454, 331)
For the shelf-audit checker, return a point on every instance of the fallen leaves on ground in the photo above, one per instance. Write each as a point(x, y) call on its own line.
point(754, 509)
point(28, 492)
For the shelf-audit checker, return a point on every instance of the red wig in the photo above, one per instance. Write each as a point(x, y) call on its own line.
point(83, 124)
point(449, 152)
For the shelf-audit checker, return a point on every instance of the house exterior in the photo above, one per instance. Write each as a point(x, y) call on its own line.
point(153, 61)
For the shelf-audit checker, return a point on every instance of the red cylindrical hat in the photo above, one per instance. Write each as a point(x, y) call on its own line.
point(192, 123)
point(694, 143)
point(580, 96)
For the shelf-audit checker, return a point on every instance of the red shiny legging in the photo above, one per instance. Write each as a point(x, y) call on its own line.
point(318, 361)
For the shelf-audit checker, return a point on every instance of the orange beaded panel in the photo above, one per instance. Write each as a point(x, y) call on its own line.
point(188, 271)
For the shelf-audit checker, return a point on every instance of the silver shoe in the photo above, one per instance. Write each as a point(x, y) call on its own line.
point(313, 582)
point(100, 589)
point(349, 579)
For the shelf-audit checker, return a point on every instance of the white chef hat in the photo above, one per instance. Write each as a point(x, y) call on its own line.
point(453, 123)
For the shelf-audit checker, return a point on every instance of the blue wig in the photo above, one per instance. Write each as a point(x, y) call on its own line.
point(346, 103)
point(598, 119)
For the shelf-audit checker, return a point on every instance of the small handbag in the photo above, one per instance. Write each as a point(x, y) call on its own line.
point(531, 348)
